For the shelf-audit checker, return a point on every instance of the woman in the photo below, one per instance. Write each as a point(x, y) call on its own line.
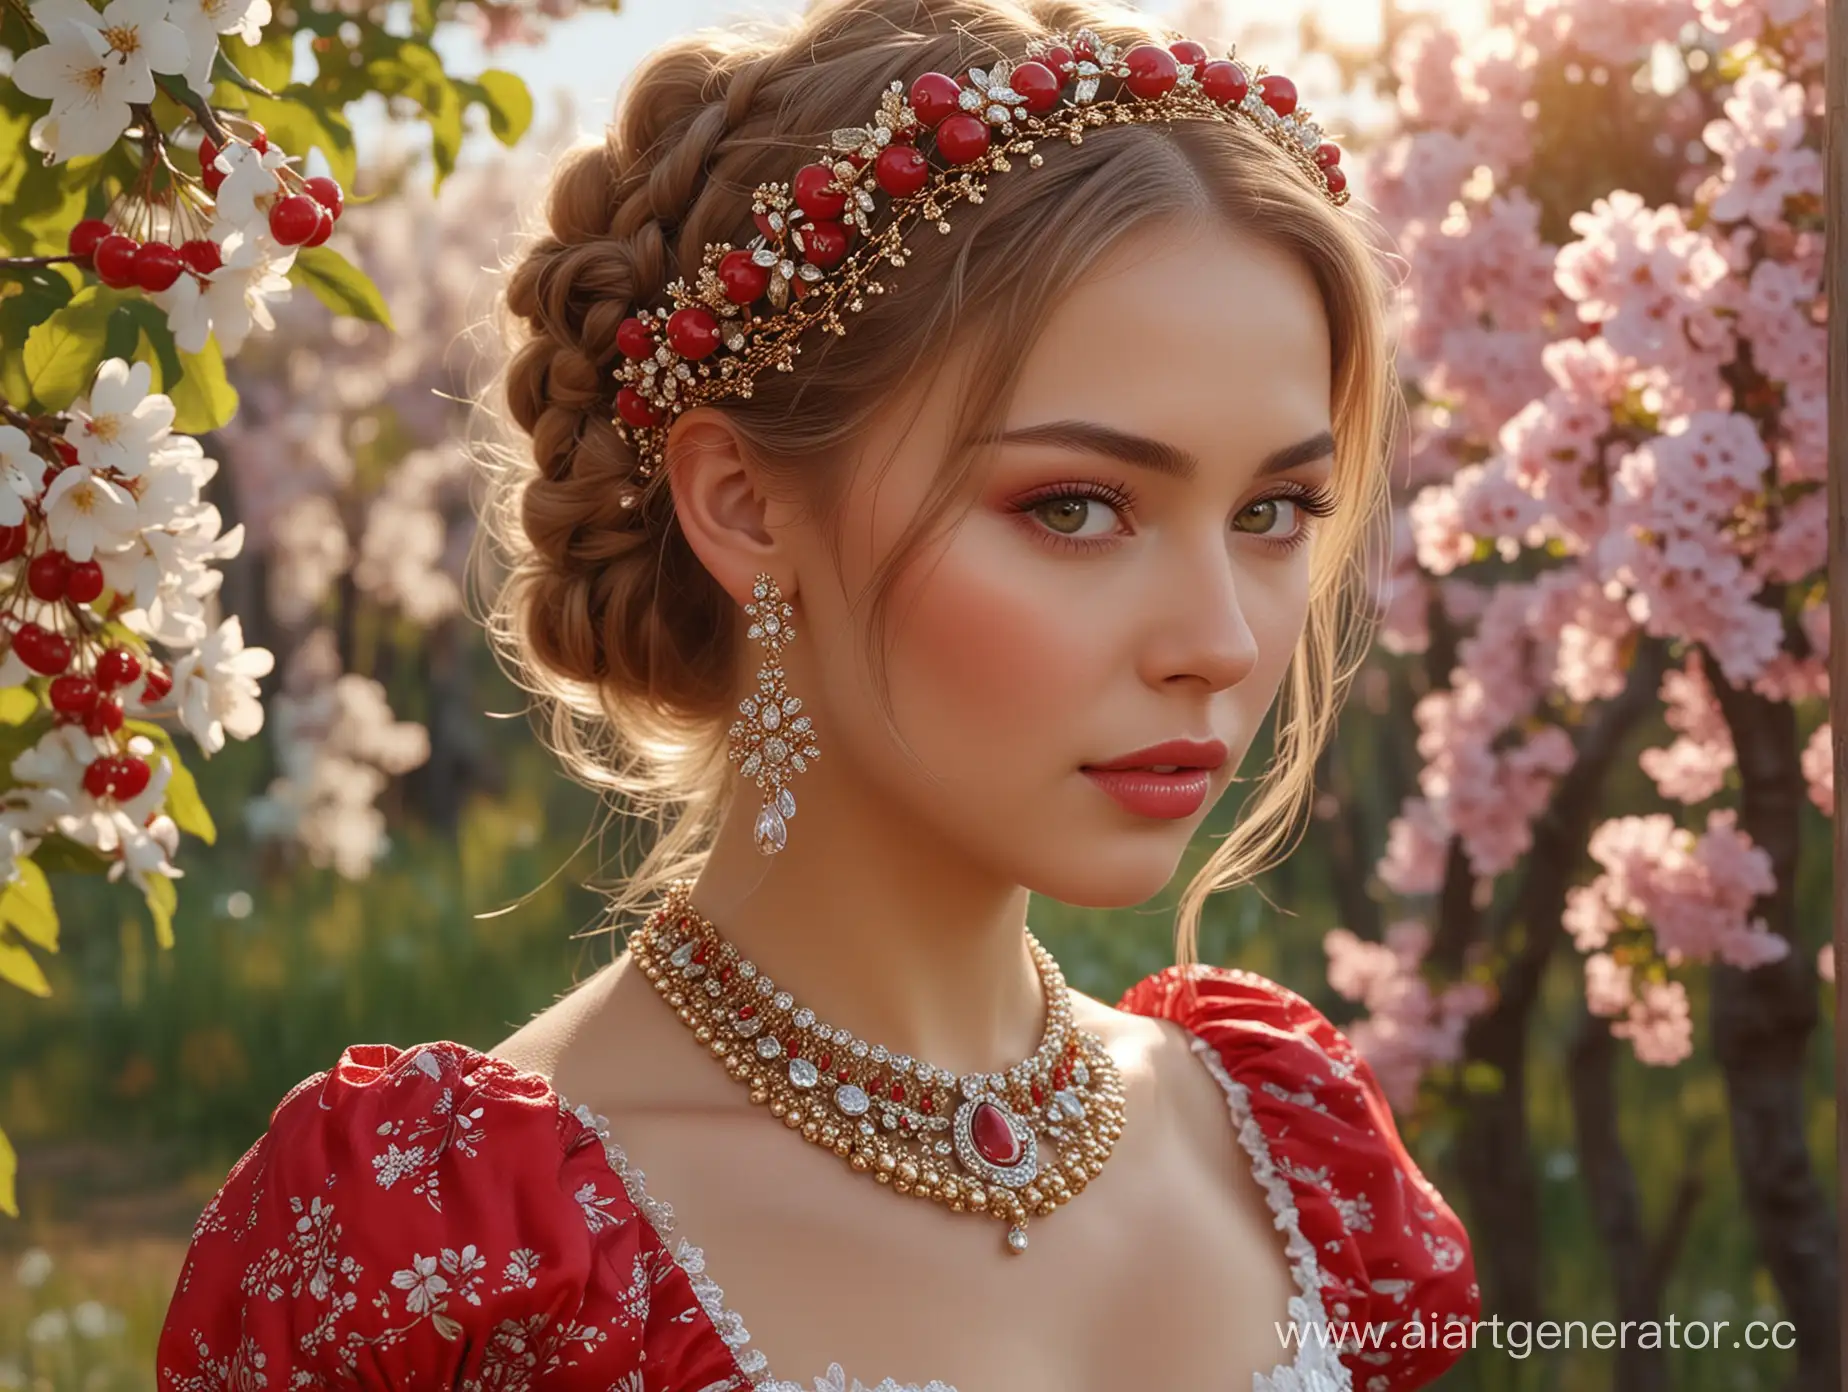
point(982, 481)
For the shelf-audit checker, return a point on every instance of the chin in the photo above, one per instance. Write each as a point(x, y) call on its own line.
point(1112, 872)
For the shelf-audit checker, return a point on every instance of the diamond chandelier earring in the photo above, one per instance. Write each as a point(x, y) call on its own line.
point(768, 744)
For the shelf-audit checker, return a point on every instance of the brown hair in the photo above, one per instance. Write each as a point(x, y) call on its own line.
point(606, 615)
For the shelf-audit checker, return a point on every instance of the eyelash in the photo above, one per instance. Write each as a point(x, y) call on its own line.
point(1316, 502)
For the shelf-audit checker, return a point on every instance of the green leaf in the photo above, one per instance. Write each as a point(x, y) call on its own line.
point(184, 804)
point(412, 69)
point(339, 284)
point(9, 1171)
point(62, 353)
point(301, 118)
point(18, 967)
point(26, 906)
point(17, 703)
point(163, 899)
point(269, 63)
point(203, 398)
point(508, 102)
point(29, 297)
point(61, 855)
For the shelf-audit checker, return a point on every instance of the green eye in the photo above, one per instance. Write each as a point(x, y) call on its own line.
point(1260, 517)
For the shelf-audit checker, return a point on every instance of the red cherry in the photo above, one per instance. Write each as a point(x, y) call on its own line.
point(1225, 82)
point(84, 581)
point(1278, 92)
point(212, 178)
point(1336, 177)
point(635, 338)
point(42, 650)
point(158, 684)
point(1189, 54)
point(934, 96)
point(202, 255)
point(293, 219)
point(962, 138)
point(901, 170)
point(635, 409)
point(66, 452)
point(260, 141)
point(1039, 84)
point(326, 192)
point(825, 243)
point(208, 153)
point(323, 229)
point(1152, 71)
point(131, 776)
point(693, 332)
point(73, 695)
point(99, 776)
point(1060, 59)
point(12, 541)
point(105, 717)
point(816, 194)
point(115, 260)
point(157, 266)
point(84, 237)
point(48, 574)
point(1328, 154)
point(744, 281)
point(117, 667)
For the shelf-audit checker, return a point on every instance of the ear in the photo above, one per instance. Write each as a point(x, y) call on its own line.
point(720, 503)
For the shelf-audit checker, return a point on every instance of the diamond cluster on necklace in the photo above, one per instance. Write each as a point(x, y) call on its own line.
point(1009, 1145)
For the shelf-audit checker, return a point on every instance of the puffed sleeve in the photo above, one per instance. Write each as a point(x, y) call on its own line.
point(1380, 1259)
point(431, 1217)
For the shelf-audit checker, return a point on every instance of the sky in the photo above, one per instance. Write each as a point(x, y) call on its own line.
point(588, 57)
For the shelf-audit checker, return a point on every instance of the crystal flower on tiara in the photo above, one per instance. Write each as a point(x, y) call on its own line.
point(747, 308)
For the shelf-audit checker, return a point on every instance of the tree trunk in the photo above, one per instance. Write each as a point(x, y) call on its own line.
point(1762, 1022)
point(1640, 1267)
point(1493, 1150)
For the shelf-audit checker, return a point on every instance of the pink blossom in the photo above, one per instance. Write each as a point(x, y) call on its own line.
point(1607, 985)
point(1763, 164)
point(1658, 1025)
point(1693, 768)
point(1818, 764)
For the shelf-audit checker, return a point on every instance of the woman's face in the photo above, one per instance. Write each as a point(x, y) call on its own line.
point(1131, 572)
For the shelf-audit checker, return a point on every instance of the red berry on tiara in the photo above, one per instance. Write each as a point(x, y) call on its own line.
point(1279, 93)
point(824, 243)
point(635, 410)
point(1039, 84)
point(742, 279)
point(1189, 55)
point(635, 339)
point(1060, 59)
point(1328, 154)
point(1336, 176)
point(816, 192)
point(934, 96)
point(1224, 82)
point(1152, 71)
point(962, 138)
point(901, 169)
point(692, 332)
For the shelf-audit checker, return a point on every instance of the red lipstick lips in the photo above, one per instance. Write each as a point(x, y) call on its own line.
point(1134, 782)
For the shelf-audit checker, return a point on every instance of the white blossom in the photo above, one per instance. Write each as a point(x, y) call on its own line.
point(86, 513)
point(22, 475)
point(234, 299)
point(202, 21)
point(215, 687)
point(120, 424)
point(91, 67)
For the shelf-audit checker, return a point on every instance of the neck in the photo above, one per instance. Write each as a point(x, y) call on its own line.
point(879, 927)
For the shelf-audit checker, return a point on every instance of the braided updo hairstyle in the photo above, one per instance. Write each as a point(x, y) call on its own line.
point(604, 613)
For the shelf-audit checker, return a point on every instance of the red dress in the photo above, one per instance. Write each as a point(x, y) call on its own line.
point(434, 1217)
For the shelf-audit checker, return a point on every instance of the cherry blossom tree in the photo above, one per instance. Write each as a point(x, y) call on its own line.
point(1612, 523)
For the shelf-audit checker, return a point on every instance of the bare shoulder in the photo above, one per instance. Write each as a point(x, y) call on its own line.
point(1158, 1060)
point(608, 1044)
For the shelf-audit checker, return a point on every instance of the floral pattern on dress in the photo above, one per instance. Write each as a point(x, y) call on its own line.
point(435, 1217)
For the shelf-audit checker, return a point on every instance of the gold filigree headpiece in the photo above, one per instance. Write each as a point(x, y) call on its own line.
point(822, 242)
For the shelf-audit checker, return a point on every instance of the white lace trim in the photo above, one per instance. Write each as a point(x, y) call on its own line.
point(1316, 1368)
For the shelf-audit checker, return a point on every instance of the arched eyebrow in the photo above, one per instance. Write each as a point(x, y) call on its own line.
point(1090, 437)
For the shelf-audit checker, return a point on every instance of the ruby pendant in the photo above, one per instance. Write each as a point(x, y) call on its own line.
point(995, 1144)
point(993, 1136)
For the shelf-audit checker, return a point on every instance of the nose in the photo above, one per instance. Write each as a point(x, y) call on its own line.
point(1206, 636)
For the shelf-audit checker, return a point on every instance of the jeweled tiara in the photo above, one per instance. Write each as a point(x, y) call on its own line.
point(820, 237)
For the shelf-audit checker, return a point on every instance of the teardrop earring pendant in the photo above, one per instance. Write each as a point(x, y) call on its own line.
point(773, 741)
